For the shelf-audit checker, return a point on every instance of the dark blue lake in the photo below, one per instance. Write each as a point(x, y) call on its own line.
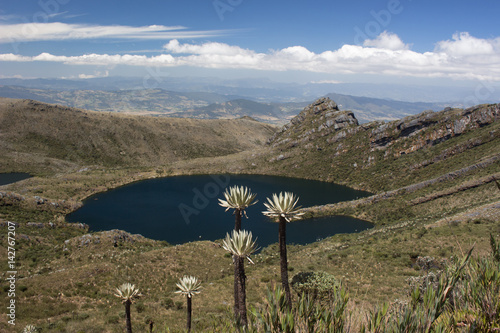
point(9, 178)
point(185, 208)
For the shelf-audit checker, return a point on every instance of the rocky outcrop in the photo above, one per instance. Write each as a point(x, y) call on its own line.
point(113, 238)
point(37, 203)
point(319, 119)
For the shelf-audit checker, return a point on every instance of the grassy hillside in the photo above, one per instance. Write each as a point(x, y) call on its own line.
point(36, 136)
point(332, 146)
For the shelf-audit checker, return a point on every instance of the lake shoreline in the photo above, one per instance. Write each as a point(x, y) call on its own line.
point(187, 200)
point(75, 187)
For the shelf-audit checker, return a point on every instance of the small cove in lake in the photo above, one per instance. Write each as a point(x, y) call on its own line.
point(181, 209)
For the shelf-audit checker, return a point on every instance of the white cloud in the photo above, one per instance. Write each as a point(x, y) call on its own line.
point(14, 57)
point(208, 48)
point(29, 32)
point(95, 59)
point(388, 41)
point(464, 44)
point(13, 77)
point(295, 54)
point(385, 55)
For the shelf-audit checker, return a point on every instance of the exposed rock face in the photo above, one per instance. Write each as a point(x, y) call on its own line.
point(319, 119)
point(430, 128)
point(322, 127)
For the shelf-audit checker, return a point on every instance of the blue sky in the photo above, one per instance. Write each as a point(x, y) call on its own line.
point(327, 41)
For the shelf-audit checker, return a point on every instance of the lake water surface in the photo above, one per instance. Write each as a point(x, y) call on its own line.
point(9, 178)
point(185, 208)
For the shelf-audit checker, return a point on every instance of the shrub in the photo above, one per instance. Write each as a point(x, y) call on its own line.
point(140, 307)
point(168, 303)
point(307, 315)
point(462, 297)
point(315, 284)
point(475, 299)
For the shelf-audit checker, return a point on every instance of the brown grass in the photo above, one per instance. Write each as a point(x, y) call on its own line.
point(37, 136)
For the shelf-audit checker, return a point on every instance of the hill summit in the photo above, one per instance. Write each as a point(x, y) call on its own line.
point(35, 134)
point(322, 118)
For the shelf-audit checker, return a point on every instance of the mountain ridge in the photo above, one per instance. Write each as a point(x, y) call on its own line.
point(266, 90)
point(205, 105)
point(326, 138)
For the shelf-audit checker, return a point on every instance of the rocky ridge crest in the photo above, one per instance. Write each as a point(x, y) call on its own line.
point(444, 125)
point(320, 119)
point(321, 125)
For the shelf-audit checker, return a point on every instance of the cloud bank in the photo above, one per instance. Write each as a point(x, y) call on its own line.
point(462, 57)
point(56, 31)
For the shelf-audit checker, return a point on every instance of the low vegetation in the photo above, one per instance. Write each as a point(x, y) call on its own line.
point(75, 279)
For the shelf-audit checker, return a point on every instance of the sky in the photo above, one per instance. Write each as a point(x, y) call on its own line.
point(403, 41)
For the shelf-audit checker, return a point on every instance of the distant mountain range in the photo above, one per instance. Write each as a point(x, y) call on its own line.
point(459, 94)
point(207, 105)
point(368, 109)
point(155, 101)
